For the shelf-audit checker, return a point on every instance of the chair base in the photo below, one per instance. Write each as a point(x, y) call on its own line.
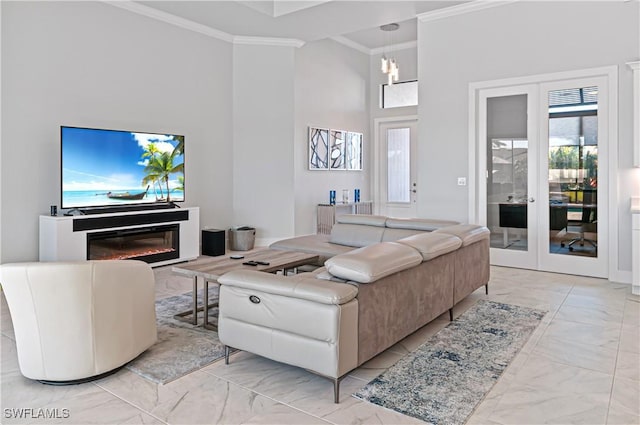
point(581, 240)
point(81, 380)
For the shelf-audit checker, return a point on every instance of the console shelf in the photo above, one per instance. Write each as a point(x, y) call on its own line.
point(66, 238)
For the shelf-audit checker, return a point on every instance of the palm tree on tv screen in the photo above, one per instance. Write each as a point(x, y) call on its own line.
point(161, 165)
point(151, 151)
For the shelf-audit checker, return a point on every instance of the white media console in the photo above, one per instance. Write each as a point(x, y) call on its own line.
point(67, 238)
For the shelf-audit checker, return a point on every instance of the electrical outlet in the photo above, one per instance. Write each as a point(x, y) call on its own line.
point(462, 181)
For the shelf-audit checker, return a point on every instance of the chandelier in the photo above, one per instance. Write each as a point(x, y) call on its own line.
point(389, 66)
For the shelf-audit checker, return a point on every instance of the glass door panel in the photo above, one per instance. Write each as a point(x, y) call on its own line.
point(507, 188)
point(398, 165)
point(508, 142)
point(573, 171)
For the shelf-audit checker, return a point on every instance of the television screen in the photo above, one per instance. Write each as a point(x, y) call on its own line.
point(109, 167)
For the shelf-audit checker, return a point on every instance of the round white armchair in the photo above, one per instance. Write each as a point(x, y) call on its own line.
point(76, 321)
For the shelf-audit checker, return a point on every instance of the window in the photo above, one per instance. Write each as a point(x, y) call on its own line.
point(399, 94)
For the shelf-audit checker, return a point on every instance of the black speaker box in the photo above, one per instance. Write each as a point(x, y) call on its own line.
point(213, 242)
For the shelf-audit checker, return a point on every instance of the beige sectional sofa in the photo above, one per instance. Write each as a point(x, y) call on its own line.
point(358, 230)
point(362, 302)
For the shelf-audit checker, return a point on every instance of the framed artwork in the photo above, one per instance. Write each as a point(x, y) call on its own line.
point(331, 149)
point(318, 148)
point(353, 151)
point(338, 149)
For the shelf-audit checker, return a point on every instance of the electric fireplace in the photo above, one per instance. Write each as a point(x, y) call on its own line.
point(149, 244)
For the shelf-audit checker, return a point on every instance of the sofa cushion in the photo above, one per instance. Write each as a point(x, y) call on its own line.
point(355, 235)
point(469, 233)
point(368, 264)
point(432, 245)
point(366, 219)
point(423, 224)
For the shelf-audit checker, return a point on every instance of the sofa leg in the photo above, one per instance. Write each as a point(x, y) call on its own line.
point(486, 289)
point(226, 354)
point(336, 390)
point(451, 314)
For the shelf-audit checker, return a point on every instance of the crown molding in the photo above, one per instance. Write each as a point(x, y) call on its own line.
point(268, 41)
point(394, 47)
point(159, 15)
point(169, 18)
point(461, 9)
point(350, 43)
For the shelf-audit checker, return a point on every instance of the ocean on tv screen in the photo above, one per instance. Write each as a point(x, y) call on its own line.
point(86, 198)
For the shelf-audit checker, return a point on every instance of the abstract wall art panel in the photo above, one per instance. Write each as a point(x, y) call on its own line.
point(318, 148)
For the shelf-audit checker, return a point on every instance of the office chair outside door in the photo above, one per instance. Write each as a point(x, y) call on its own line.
point(588, 222)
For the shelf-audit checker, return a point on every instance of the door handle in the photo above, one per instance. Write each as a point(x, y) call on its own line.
point(414, 191)
point(532, 199)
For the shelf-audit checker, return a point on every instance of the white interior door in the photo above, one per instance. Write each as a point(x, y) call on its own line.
point(574, 176)
point(507, 172)
point(397, 168)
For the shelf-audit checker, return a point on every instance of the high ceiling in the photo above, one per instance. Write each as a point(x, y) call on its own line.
point(357, 21)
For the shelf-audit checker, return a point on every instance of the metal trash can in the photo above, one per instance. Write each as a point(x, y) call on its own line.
point(242, 238)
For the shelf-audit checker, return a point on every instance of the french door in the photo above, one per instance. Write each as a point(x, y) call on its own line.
point(396, 171)
point(543, 174)
point(508, 142)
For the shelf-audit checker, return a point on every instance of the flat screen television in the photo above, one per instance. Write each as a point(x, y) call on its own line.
point(106, 168)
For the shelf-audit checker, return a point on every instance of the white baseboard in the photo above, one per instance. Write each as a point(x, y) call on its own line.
point(620, 276)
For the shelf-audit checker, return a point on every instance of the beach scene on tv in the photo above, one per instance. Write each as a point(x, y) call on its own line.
point(107, 167)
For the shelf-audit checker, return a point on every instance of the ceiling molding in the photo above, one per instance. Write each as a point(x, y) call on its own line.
point(169, 18)
point(350, 43)
point(159, 15)
point(461, 9)
point(268, 41)
point(394, 47)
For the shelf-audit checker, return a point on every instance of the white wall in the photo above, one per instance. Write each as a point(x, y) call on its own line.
point(263, 148)
point(331, 83)
point(94, 65)
point(518, 39)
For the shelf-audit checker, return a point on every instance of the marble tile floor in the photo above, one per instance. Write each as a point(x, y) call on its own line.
point(581, 366)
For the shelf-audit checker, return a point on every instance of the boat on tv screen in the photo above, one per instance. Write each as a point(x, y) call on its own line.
point(109, 167)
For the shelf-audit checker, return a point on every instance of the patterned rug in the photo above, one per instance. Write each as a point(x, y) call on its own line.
point(182, 347)
point(448, 376)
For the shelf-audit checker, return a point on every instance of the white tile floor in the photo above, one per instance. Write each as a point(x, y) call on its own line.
point(582, 366)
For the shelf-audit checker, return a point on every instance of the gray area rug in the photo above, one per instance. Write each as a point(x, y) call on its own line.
point(182, 347)
point(448, 376)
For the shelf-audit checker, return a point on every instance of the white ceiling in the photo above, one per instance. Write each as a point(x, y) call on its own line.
point(357, 21)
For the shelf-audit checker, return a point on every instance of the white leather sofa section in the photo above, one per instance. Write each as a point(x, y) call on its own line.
point(468, 233)
point(315, 328)
point(432, 245)
point(75, 320)
point(368, 264)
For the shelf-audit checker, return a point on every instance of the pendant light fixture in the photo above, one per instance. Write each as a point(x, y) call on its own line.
point(389, 66)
